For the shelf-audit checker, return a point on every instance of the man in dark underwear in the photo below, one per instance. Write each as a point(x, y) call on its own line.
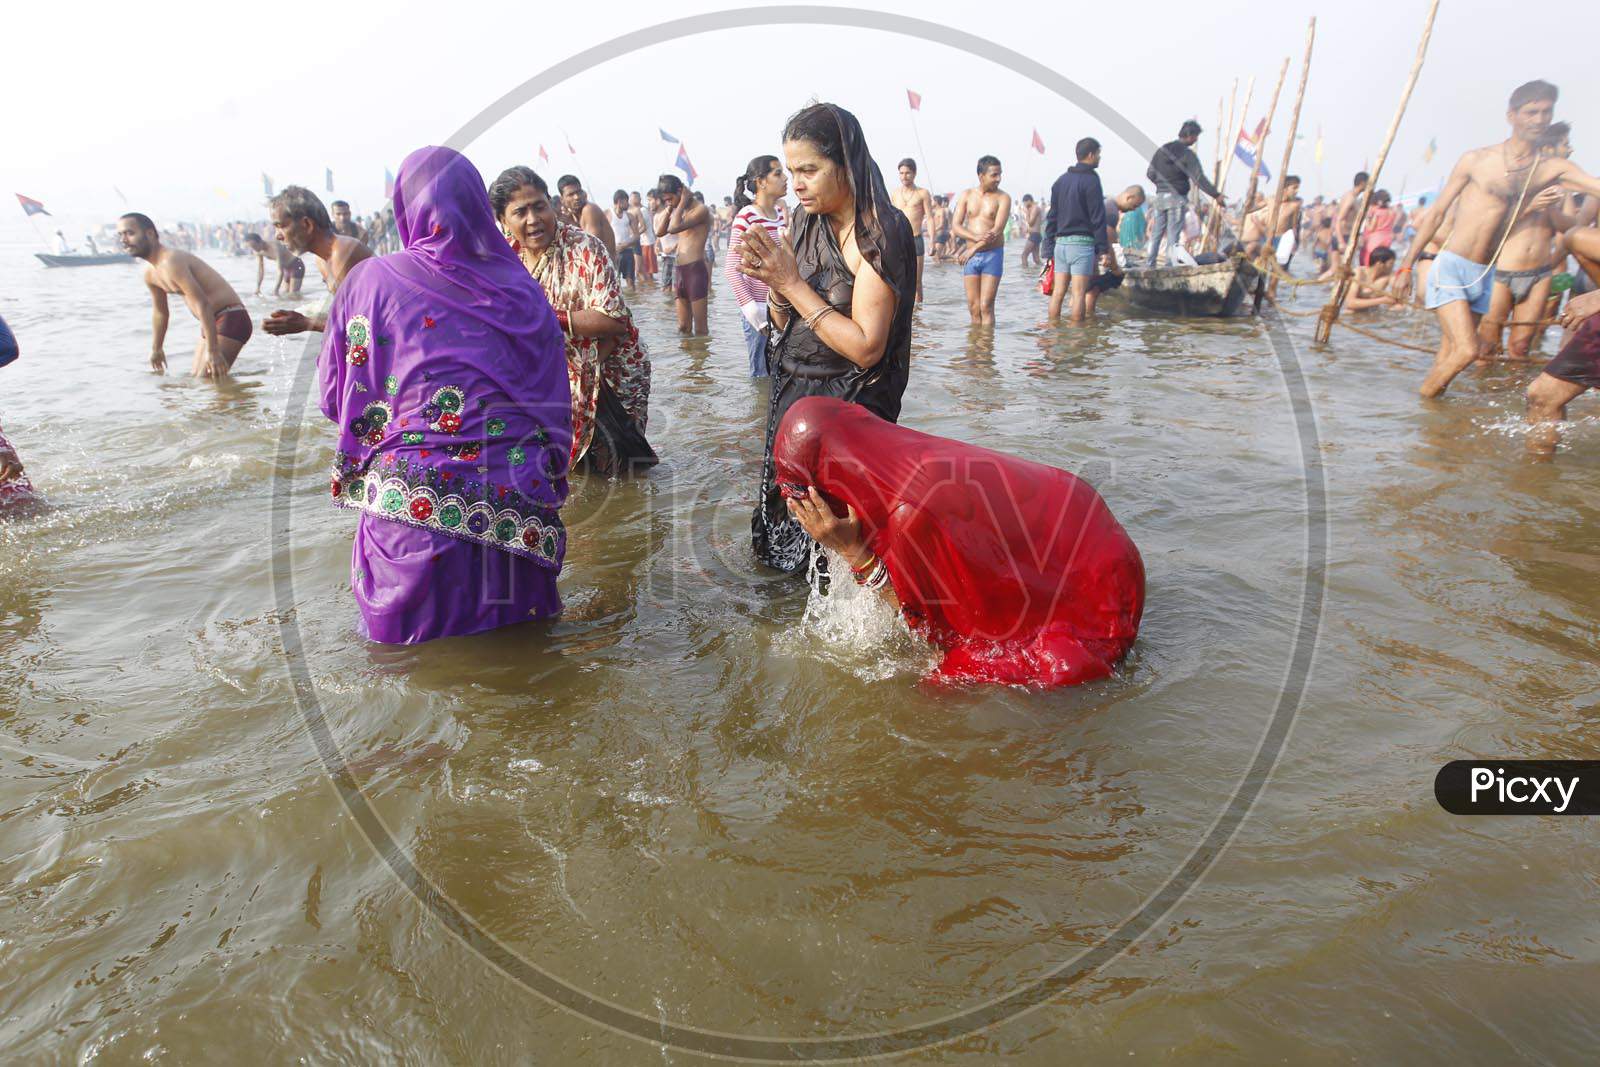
point(302, 225)
point(689, 221)
point(1575, 370)
point(291, 271)
point(916, 205)
point(1522, 274)
point(224, 323)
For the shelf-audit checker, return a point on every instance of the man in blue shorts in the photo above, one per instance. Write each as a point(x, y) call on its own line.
point(980, 220)
point(1487, 189)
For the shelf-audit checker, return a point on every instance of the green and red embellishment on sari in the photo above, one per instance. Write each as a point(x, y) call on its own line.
point(415, 494)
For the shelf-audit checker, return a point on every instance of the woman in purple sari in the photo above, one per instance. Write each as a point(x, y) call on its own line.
point(446, 372)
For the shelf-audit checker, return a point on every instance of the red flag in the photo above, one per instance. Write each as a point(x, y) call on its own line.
point(30, 206)
point(915, 100)
point(1038, 143)
point(570, 150)
point(683, 164)
point(543, 155)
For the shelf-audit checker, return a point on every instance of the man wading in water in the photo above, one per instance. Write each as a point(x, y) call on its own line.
point(1488, 189)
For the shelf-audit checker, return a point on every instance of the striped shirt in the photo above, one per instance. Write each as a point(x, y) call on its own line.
point(751, 294)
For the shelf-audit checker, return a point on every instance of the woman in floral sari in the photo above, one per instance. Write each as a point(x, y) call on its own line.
point(608, 367)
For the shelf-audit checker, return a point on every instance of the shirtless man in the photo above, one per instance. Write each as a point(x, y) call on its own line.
point(689, 221)
point(586, 216)
point(917, 206)
point(1427, 209)
point(224, 323)
point(1523, 273)
point(1033, 225)
point(301, 223)
point(1488, 183)
point(939, 220)
point(286, 260)
point(980, 220)
point(343, 224)
point(1344, 212)
point(1370, 287)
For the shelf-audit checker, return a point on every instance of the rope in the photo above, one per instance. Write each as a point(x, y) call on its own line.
point(1380, 338)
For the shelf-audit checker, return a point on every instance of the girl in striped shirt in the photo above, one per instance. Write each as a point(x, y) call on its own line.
point(757, 200)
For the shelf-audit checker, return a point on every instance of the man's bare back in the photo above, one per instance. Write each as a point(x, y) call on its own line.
point(224, 324)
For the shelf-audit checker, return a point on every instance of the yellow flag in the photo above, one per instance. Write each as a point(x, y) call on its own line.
point(1319, 152)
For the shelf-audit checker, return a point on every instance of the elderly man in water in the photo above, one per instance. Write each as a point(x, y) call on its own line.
point(224, 323)
point(302, 225)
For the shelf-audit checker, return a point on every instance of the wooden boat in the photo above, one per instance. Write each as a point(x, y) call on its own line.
point(1208, 289)
point(83, 260)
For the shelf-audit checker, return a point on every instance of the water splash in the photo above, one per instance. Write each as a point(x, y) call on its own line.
point(854, 628)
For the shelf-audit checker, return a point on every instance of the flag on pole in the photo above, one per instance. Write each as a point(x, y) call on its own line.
point(1038, 143)
point(330, 178)
point(266, 183)
point(683, 164)
point(1433, 146)
point(120, 196)
point(1319, 153)
point(573, 152)
point(914, 99)
point(30, 206)
point(1245, 148)
point(388, 184)
point(667, 137)
point(544, 157)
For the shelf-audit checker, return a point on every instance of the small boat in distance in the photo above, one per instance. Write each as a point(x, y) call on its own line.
point(83, 260)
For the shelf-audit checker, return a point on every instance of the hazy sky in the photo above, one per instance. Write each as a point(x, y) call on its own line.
point(183, 105)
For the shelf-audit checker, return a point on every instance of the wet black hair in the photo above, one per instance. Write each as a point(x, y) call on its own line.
point(985, 162)
point(669, 185)
point(1086, 148)
point(817, 125)
point(620, 194)
point(142, 220)
point(1290, 179)
point(1190, 128)
point(1381, 197)
point(340, 203)
point(505, 187)
point(1528, 92)
point(1381, 254)
point(907, 162)
point(567, 181)
point(254, 239)
point(1361, 178)
point(757, 169)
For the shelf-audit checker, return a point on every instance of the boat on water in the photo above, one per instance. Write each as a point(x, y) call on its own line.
point(1202, 290)
point(77, 259)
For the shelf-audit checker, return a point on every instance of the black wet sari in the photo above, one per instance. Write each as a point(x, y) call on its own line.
point(802, 365)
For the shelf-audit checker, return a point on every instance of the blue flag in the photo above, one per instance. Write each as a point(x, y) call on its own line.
point(683, 164)
point(266, 183)
point(667, 137)
point(330, 178)
point(1244, 149)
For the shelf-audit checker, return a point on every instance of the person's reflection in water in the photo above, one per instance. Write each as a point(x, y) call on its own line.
point(840, 299)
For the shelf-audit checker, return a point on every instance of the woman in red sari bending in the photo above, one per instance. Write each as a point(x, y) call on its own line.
point(1018, 571)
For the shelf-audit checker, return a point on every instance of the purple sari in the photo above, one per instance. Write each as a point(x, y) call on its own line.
point(446, 372)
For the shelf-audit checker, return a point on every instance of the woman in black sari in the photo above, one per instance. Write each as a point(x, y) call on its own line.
point(842, 286)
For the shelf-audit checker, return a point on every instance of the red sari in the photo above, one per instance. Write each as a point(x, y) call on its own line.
point(1017, 570)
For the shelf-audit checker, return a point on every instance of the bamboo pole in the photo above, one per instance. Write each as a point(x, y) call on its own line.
point(1330, 313)
point(1216, 170)
point(1213, 224)
point(1288, 144)
point(1261, 150)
